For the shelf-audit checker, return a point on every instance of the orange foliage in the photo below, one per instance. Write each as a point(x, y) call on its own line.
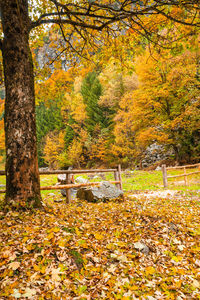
point(53, 148)
point(164, 107)
point(54, 88)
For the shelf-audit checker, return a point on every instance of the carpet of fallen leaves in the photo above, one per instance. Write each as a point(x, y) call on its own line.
point(133, 249)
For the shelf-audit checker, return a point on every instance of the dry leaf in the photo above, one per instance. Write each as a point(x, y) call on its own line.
point(14, 265)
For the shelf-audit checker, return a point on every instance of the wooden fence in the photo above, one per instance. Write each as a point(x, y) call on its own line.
point(69, 185)
point(185, 174)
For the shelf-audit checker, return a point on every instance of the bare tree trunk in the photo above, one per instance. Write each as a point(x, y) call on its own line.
point(22, 175)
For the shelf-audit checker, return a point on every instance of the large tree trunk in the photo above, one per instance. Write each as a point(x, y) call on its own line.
point(22, 175)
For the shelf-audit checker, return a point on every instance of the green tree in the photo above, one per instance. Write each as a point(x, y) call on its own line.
point(98, 116)
point(48, 119)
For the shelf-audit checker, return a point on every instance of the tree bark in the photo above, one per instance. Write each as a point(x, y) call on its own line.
point(22, 174)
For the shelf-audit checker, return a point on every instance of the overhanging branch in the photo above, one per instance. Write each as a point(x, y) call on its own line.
point(89, 16)
point(97, 16)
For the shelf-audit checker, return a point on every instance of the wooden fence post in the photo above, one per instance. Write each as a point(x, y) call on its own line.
point(120, 177)
point(116, 178)
point(68, 191)
point(164, 172)
point(185, 177)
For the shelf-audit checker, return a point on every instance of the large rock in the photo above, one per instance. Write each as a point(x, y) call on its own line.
point(62, 178)
point(106, 191)
point(73, 192)
point(156, 153)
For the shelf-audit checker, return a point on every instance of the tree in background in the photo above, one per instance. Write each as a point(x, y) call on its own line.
point(97, 117)
point(54, 146)
point(129, 106)
point(165, 106)
point(48, 119)
point(86, 121)
point(49, 104)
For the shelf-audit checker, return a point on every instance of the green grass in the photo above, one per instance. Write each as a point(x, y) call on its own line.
point(152, 180)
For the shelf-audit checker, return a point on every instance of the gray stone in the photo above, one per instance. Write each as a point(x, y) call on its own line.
point(158, 168)
point(62, 178)
point(58, 200)
point(72, 190)
point(51, 194)
point(141, 247)
point(106, 191)
point(155, 153)
point(81, 180)
point(63, 193)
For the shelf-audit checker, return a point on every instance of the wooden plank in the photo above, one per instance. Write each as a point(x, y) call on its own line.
point(182, 167)
point(120, 177)
point(68, 192)
point(69, 186)
point(185, 176)
point(182, 175)
point(46, 172)
point(164, 172)
point(116, 176)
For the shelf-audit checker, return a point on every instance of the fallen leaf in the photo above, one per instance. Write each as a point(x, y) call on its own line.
point(16, 294)
point(29, 293)
point(55, 274)
point(14, 265)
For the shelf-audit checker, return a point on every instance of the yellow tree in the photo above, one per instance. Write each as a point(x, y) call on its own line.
point(54, 146)
point(165, 107)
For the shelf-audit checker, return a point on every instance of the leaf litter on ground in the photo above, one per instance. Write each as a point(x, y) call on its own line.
point(134, 249)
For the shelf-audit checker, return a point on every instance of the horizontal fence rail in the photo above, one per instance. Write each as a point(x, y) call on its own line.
point(73, 185)
point(183, 167)
point(69, 184)
point(46, 172)
point(185, 174)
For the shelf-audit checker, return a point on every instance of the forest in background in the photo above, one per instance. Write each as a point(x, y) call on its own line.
point(115, 102)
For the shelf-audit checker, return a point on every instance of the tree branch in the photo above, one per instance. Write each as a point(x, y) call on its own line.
point(85, 17)
point(97, 16)
point(161, 12)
